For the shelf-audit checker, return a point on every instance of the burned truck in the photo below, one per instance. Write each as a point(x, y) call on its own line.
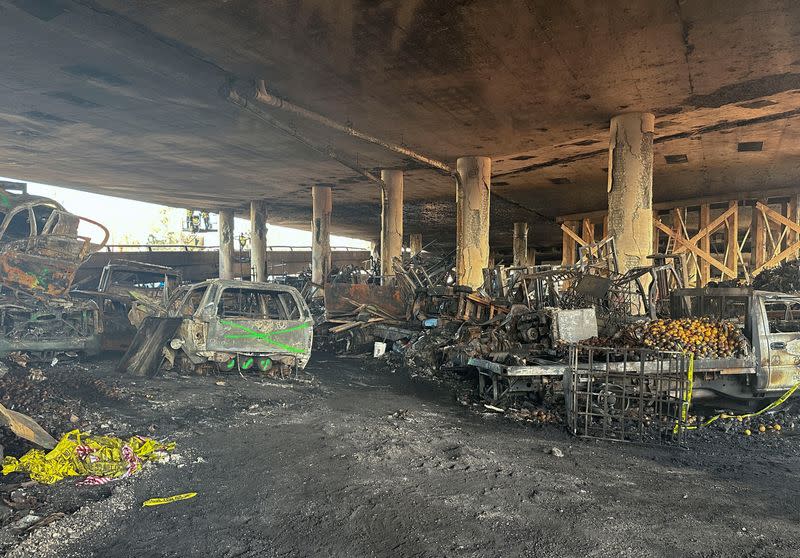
point(770, 323)
point(224, 325)
point(40, 252)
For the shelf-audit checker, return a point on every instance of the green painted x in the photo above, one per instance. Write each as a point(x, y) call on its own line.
point(266, 337)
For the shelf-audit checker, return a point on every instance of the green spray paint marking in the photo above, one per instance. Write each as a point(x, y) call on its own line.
point(266, 337)
point(248, 363)
point(265, 363)
point(44, 277)
point(231, 363)
point(4, 199)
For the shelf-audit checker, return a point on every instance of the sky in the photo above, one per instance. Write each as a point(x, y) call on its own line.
point(131, 221)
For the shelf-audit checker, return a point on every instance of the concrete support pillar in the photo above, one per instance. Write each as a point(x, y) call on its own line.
point(415, 244)
point(520, 244)
point(472, 219)
point(391, 221)
point(258, 240)
point(322, 205)
point(227, 250)
point(630, 187)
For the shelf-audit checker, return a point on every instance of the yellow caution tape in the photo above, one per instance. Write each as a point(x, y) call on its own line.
point(779, 401)
point(79, 454)
point(169, 499)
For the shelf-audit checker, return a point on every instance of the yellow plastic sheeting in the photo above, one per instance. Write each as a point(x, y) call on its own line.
point(168, 499)
point(79, 454)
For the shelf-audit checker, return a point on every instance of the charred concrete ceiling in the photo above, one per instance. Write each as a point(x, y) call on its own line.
point(123, 97)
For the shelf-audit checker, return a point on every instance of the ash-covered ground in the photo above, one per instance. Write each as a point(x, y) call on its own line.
point(360, 459)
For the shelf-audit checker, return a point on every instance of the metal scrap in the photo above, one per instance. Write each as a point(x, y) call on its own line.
point(40, 252)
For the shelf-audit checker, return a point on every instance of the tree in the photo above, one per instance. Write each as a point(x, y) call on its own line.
point(169, 231)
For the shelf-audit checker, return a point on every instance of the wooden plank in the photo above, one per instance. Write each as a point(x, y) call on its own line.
point(679, 225)
point(694, 249)
point(777, 217)
point(705, 244)
point(587, 231)
point(605, 225)
point(774, 260)
point(773, 246)
point(794, 215)
point(570, 230)
point(568, 240)
point(711, 227)
point(733, 238)
point(656, 234)
point(757, 239)
point(766, 214)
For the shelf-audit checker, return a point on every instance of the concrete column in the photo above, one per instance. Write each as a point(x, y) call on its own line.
point(322, 205)
point(630, 187)
point(391, 221)
point(415, 243)
point(472, 219)
point(520, 244)
point(226, 247)
point(258, 240)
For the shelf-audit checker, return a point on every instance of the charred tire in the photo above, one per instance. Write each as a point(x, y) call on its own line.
point(246, 362)
point(227, 366)
point(263, 363)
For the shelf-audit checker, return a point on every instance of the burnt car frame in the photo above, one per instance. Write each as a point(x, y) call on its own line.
point(127, 292)
point(40, 252)
point(238, 325)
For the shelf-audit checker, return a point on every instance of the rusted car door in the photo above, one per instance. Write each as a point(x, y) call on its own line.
point(783, 342)
point(260, 320)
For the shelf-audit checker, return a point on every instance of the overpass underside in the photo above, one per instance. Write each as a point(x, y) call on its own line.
point(487, 114)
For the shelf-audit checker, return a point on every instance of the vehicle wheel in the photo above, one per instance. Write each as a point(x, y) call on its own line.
point(246, 362)
point(227, 366)
point(263, 363)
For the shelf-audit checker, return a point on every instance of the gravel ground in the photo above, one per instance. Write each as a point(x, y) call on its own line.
point(363, 461)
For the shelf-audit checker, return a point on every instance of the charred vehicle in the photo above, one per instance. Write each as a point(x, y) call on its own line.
point(771, 324)
point(40, 252)
point(127, 292)
point(225, 325)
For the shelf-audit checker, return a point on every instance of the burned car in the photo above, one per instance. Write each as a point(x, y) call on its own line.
point(40, 252)
point(225, 325)
point(127, 292)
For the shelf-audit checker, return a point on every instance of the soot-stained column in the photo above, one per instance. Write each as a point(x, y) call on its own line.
point(258, 240)
point(226, 248)
point(322, 205)
point(630, 187)
point(391, 221)
point(473, 190)
point(520, 244)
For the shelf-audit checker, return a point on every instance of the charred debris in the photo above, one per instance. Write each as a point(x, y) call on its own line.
point(615, 355)
point(633, 356)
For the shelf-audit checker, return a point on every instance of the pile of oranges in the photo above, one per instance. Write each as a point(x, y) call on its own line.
point(704, 337)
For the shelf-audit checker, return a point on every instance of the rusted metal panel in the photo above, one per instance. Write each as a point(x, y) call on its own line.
point(342, 299)
point(36, 274)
